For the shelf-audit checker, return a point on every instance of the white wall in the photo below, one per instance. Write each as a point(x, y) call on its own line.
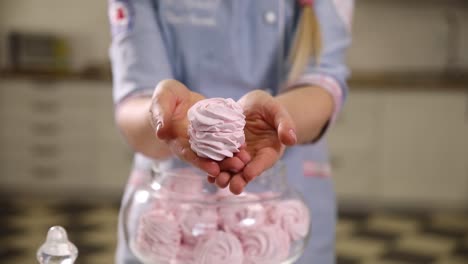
point(397, 37)
point(464, 38)
point(388, 35)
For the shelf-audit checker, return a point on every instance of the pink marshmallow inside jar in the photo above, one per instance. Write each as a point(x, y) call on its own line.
point(178, 217)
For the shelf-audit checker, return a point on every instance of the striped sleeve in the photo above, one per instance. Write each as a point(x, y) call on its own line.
point(331, 72)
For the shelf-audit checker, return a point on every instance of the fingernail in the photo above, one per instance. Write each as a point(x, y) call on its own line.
point(159, 124)
point(211, 176)
point(293, 134)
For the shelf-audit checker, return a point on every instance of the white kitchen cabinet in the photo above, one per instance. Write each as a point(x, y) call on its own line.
point(402, 147)
point(358, 125)
point(356, 176)
point(114, 161)
point(424, 154)
point(354, 141)
point(114, 157)
point(60, 136)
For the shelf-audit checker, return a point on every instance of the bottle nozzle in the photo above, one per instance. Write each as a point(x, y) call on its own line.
point(57, 248)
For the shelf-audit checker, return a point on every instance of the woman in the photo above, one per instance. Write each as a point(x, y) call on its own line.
point(283, 60)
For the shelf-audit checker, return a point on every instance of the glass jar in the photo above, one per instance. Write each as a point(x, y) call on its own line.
point(177, 217)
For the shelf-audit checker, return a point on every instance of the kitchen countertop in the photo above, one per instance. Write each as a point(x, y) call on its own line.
point(407, 81)
point(410, 81)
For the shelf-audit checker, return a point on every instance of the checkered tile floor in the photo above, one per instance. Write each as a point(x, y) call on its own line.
point(362, 237)
point(417, 238)
point(91, 227)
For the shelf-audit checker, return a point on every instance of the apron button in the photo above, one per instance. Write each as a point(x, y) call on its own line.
point(270, 17)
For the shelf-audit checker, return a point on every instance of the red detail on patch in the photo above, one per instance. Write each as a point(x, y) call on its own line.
point(120, 13)
point(306, 2)
point(316, 169)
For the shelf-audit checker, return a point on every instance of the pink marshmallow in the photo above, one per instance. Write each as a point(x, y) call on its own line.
point(216, 128)
point(197, 221)
point(158, 236)
point(292, 216)
point(243, 213)
point(219, 248)
point(238, 229)
point(186, 254)
point(265, 245)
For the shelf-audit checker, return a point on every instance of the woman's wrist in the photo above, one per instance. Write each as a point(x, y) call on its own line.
point(311, 108)
point(132, 120)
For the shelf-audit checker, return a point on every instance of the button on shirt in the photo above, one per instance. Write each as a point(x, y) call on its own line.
point(270, 17)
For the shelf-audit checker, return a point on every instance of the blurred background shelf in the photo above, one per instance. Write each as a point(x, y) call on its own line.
point(59, 138)
point(388, 80)
point(406, 148)
point(90, 74)
point(410, 81)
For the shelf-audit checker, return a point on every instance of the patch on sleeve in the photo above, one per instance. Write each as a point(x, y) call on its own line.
point(316, 169)
point(345, 9)
point(120, 16)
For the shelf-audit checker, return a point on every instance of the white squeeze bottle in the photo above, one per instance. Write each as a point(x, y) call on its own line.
point(57, 249)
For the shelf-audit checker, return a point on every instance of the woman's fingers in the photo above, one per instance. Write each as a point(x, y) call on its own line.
point(283, 122)
point(233, 164)
point(243, 155)
point(237, 184)
point(181, 148)
point(263, 160)
point(236, 163)
point(168, 96)
point(274, 113)
point(210, 179)
point(222, 180)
